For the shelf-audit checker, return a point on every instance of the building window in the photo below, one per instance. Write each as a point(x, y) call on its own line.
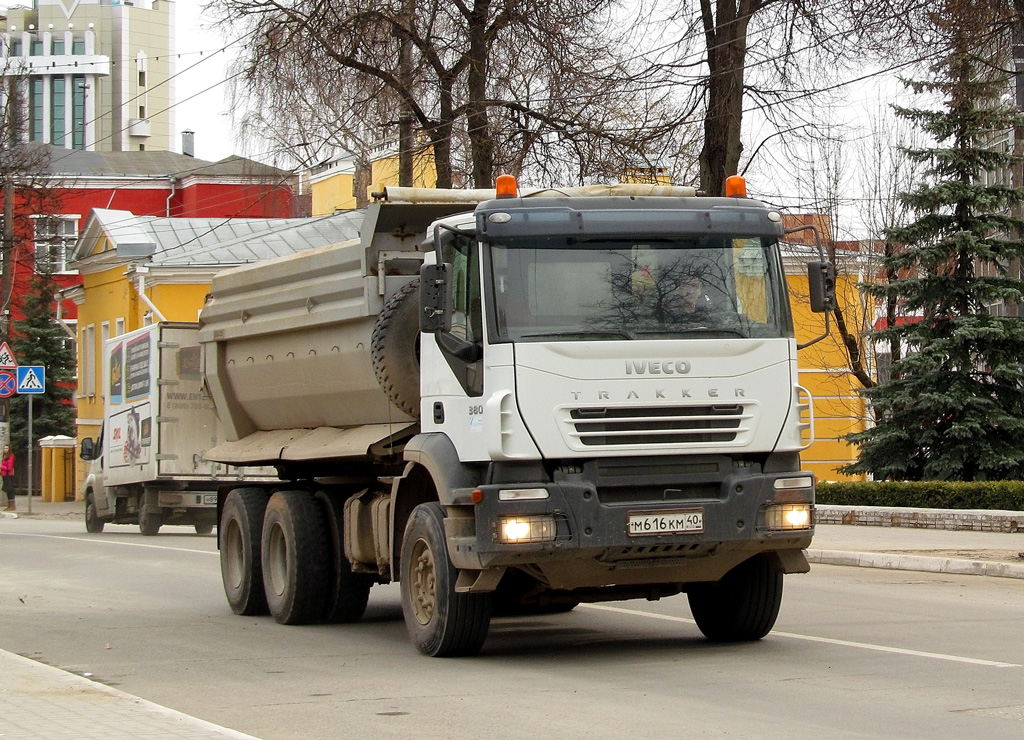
point(15, 47)
point(58, 47)
point(57, 111)
point(55, 239)
point(35, 47)
point(142, 78)
point(142, 111)
point(118, 326)
point(142, 147)
point(35, 106)
point(88, 374)
point(78, 47)
point(78, 112)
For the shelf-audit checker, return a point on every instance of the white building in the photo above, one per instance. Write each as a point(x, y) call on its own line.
point(97, 74)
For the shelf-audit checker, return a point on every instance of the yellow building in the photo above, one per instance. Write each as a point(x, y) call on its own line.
point(335, 185)
point(824, 367)
point(137, 270)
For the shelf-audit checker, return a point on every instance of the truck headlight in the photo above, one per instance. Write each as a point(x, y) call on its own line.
point(788, 516)
point(518, 529)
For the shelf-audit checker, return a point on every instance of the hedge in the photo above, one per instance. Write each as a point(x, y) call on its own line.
point(990, 495)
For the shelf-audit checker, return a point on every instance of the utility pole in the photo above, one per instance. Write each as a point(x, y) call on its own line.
point(9, 136)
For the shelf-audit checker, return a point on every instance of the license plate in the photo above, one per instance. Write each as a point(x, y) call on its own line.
point(209, 499)
point(666, 522)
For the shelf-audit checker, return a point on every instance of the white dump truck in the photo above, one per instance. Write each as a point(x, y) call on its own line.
point(517, 405)
point(147, 466)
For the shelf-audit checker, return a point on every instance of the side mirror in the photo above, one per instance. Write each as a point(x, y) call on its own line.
point(435, 298)
point(88, 451)
point(821, 283)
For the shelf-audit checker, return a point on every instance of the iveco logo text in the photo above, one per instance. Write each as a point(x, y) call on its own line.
point(657, 367)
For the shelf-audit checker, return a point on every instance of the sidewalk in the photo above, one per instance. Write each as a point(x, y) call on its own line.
point(39, 702)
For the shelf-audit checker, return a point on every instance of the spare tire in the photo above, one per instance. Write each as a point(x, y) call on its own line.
point(395, 348)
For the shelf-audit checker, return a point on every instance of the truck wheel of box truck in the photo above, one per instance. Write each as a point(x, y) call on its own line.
point(350, 591)
point(150, 517)
point(395, 352)
point(93, 523)
point(441, 622)
point(241, 566)
point(742, 606)
point(295, 550)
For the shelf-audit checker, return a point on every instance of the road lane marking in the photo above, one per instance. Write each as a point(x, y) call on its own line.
point(826, 640)
point(103, 541)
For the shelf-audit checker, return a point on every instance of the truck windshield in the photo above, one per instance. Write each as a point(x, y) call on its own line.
point(677, 287)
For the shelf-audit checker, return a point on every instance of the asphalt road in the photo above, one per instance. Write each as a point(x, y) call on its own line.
point(856, 653)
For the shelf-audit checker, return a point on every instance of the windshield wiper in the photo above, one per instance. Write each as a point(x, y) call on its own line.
point(710, 331)
point(580, 334)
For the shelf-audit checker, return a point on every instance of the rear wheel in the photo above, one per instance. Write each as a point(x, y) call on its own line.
point(241, 567)
point(742, 606)
point(296, 557)
point(350, 591)
point(150, 517)
point(440, 621)
point(93, 523)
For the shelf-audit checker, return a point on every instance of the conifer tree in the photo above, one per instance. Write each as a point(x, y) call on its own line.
point(38, 340)
point(954, 407)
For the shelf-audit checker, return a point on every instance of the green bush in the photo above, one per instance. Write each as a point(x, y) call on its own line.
point(1003, 495)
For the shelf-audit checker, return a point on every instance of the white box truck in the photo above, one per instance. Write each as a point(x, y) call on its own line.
point(517, 405)
point(148, 466)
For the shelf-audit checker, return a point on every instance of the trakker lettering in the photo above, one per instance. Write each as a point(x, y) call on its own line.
point(657, 367)
point(658, 393)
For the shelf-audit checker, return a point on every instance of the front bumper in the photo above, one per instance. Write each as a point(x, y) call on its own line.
point(590, 542)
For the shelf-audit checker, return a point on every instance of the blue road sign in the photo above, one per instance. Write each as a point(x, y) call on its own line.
point(31, 379)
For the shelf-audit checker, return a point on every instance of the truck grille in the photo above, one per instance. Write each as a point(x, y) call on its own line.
point(658, 425)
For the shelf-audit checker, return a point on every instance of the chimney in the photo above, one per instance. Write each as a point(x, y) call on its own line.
point(188, 143)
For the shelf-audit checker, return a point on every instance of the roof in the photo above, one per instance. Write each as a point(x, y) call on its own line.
point(153, 164)
point(205, 242)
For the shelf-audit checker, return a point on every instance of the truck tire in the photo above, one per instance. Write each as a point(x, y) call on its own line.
point(150, 517)
point(441, 622)
point(93, 523)
point(742, 606)
point(350, 591)
point(296, 558)
point(394, 348)
point(241, 567)
point(204, 528)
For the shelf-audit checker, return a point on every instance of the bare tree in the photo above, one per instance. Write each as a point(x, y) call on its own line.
point(489, 84)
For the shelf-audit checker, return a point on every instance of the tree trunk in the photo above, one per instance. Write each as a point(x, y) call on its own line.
point(726, 34)
point(477, 121)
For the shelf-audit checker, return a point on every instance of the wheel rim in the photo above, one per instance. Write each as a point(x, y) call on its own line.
point(423, 591)
point(233, 555)
point(277, 559)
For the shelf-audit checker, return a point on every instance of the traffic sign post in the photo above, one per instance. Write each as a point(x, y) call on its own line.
point(31, 381)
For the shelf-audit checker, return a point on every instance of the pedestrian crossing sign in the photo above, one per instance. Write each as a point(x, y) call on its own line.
point(32, 379)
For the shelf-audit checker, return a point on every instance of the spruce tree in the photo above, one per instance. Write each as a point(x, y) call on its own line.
point(954, 407)
point(38, 340)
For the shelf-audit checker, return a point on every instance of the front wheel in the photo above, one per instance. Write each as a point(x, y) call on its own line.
point(742, 606)
point(93, 523)
point(441, 622)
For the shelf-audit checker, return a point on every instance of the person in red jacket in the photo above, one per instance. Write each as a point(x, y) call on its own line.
point(7, 473)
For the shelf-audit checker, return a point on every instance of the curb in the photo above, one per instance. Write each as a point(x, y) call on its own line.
point(975, 520)
point(888, 561)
